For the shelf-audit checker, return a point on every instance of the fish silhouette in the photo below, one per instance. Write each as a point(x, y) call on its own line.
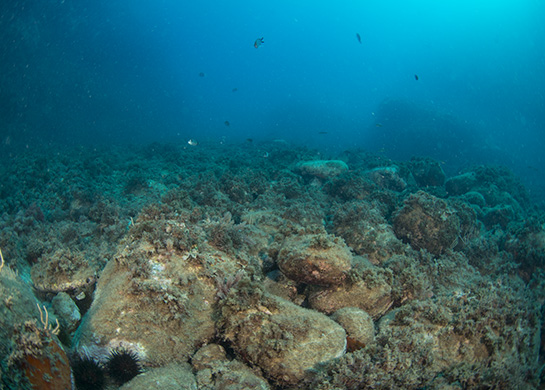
point(258, 42)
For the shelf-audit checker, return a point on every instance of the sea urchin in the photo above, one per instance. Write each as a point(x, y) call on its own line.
point(123, 365)
point(88, 374)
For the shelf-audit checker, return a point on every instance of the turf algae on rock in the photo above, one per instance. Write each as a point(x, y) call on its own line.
point(172, 376)
point(322, 169)
point(153, 298)
point(215, 371)
point(372, 294)
point(317, 259)
point(281, 338)
point(449, 271)
point(427, 222)
point(359, 327)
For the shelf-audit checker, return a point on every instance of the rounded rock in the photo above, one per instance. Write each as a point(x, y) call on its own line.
point(375, 299)
point(427, 222)
point(63, 270)
point(427, 172)
point(215, 371)
point(323, 169)
point(67, 311)
point(317, 259)
point(281, 338)
point(461, 184)
point(357, 323)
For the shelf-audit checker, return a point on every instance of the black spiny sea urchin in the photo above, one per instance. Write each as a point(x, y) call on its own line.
point(88, 374)
point(123, 365)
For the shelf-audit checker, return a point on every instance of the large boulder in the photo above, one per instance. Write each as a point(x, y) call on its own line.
point(322, 169)
point(375, 297)
point(154, 301)
point(281, 338)
point(173, 376)
point(30, 352)
point(427, 222)
point(427, 172)
point(387, 178)
point(459, 185)
point(319, 259)
point(366, 231)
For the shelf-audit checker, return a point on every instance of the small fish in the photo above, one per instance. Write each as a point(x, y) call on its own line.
point(378, 125)
point(322, 132)
point(234, 89)
point(359, 37)
point(226, 123)
point(416, 77)
point(250, 140)
point(258, 42)
point(201, 74)
point(192, 142)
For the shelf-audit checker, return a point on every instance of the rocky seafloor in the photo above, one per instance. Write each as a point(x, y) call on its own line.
point(267, 266)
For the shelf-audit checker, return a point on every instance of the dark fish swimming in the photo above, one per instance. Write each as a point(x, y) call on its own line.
point(359, 37)
point(201, 74)
point(416, 77)
point(258, 42)
point(234, 89)
point(226, 123)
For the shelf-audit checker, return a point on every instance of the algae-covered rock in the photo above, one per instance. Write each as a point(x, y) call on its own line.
point(387, 178)
point(18, 307)
point(468, 334)
point(281, 338)
point(358, 324)
point(323, 169)
point(30, 352)
point(172, 376)
point(198, 263)
point(474, 198)
point(459, 185)
point(156, 304)
point(366, 231)
point(375, 298)
point(428, 222)
point(67, 311)
point(278, 284)
point(427, 172)
point(216, 371)
point(499, 215)
point(528, 249)
point(319, 259)
point(64, 270)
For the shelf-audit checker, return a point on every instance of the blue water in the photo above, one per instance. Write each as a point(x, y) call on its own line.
point(84, 73)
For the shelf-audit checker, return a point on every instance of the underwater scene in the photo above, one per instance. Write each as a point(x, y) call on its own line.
point(277, 195)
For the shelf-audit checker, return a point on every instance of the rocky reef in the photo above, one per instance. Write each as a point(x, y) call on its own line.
point(265, 266)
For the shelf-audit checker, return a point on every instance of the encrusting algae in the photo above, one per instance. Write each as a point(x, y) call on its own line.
point(215, 266)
